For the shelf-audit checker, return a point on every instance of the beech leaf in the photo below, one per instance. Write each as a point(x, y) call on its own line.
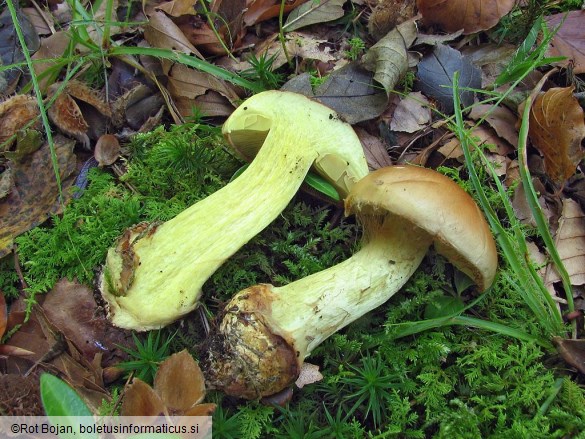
point(556, 129)
point(470, 15)
point(312, 12)
point(569, 41)
point(388, 58)
point(435, 75)
point(141, 400)
point(179, 382)
point(411, 114)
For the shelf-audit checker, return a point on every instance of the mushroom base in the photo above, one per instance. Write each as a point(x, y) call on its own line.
point(246, 358)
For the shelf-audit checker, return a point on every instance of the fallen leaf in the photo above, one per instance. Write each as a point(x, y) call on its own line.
point(10, 49)
point(470, 15)
point(260, 10)
point(49, 54)
point(17, 113)
point(162, 33)
point(500, 119)
point(176, 8)
point(314, 12)
point(388, 57)
point(40, 20)
point(569, 41)
point(351, 92)
point(189, 88)
point(387, 14)
point(435, 76)
point(35, 194)
point(309, 374)
point(107, 150)
point(572, 351)
point(557, 128)
point(570, 243)
point(141, 400)
point(434, 40)
point(412, 113)
point(179, 382)
point(374, 149)
point(72, 310)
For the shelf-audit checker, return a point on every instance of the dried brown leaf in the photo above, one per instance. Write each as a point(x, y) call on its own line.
point(17, 113)
point(71, 309)
point(570, 243)
point(557, 128)
point(49, 54)
point(179, 382)
point(374, 150)
point(412, 114)
point(6, 183)
point(313, 13)
point(500, 119)
point(260, 10)
point(177, 8)
point(163, 33)
point(569, 41)
point(470, 15)
point(107, 150)
point(388, 58)
point(188, 88)
point(36, 194)
point(572, 351)
point(141, 400)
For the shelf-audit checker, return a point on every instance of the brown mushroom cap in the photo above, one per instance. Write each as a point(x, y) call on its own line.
point(437, 205)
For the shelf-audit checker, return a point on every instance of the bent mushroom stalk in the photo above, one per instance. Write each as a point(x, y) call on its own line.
point(154, 274)
point(266, 331)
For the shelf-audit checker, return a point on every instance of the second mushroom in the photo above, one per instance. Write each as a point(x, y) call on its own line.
point(267, 331)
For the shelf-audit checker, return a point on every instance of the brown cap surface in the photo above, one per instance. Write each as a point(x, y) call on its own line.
point(437, 205)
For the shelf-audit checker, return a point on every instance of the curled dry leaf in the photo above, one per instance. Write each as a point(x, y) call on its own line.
point(163, 33)
point(388, 58)
point(572, 351)
point(16, 113)
point(470, 15)
point(107, 150)
point(557, 128)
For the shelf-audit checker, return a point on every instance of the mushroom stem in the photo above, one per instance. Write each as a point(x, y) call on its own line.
point(267, 331)
point(154, 275)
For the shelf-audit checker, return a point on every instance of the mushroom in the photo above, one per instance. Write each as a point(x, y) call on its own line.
point(266, 332)
point(154, 273)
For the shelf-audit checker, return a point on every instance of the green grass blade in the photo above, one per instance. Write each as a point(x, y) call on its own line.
point(187, 60)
